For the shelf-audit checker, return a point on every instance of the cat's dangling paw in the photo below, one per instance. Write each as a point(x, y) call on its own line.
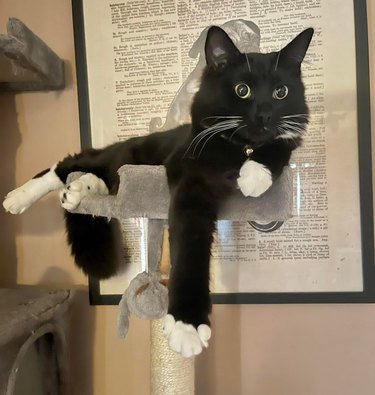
point(88, 184)
point(254, 179)
point(20, 199)
point(184, 338)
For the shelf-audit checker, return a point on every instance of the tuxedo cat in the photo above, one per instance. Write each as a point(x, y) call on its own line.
point(247, 117)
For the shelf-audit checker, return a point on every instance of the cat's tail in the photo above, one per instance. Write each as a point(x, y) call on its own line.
point(95, 244)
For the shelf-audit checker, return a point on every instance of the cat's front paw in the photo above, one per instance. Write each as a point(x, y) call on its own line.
point(20, 199)
point(254, 179)
point(88, 184)
point(184, 338)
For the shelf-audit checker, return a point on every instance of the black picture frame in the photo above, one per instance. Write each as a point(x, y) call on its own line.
point(365, 175)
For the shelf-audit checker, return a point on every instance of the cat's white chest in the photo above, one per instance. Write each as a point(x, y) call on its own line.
point(254, 179)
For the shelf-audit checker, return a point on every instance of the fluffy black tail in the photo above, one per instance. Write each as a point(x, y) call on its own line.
point(95, 244)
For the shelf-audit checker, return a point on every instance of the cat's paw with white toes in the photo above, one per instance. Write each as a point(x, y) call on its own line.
point(185, 339)
point(18, 200)
point(254, 179)
point(88, 184)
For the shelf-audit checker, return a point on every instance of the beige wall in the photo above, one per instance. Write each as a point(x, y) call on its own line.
point(260, 350)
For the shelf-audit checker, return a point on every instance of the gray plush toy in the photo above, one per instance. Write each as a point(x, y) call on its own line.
point(146, 297)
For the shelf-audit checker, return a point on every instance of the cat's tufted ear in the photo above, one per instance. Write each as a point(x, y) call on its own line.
point(219, 48)
point(295, 51)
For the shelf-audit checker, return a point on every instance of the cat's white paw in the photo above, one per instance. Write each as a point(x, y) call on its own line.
point(88, 184)
point(184, 338)
point(254, 179)
point(20, 199)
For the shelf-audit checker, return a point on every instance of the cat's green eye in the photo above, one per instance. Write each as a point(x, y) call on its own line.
point(281, 92)
point(242, 90)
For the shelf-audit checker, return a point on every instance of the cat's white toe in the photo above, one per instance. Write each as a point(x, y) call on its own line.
point(168, 324)
point(254, 179)
point(184, 338)
point(204, 332)
point(88, 184)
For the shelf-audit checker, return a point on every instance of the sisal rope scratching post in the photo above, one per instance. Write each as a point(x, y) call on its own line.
point(171, 373)
point(147, 298)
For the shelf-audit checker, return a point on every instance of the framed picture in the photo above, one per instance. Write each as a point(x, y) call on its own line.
point(138, 68)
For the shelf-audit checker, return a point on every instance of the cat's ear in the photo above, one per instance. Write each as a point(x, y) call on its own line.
point(295, 51)
point(219, 48)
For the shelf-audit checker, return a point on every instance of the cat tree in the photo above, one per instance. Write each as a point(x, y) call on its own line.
point(143, 192)
point(34, 66)
point(30, 316)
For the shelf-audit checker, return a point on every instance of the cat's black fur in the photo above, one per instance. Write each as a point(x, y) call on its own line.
point(201, 173)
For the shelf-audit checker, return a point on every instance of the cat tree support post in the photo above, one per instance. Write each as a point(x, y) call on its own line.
point(171, 373)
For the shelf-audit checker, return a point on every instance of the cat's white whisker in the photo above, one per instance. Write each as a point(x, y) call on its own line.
point(219, 129)
point(204, 144)
point(240, 127)
point(290, 130)
point(277, 61)
point(295, 116)
point(223, 116)
point(212, 135)
point(248, 63)
point(218, 117)
point(208, 135)
point(297, 126)
point(286, 134)
point(211, 131)
point(291, 122)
